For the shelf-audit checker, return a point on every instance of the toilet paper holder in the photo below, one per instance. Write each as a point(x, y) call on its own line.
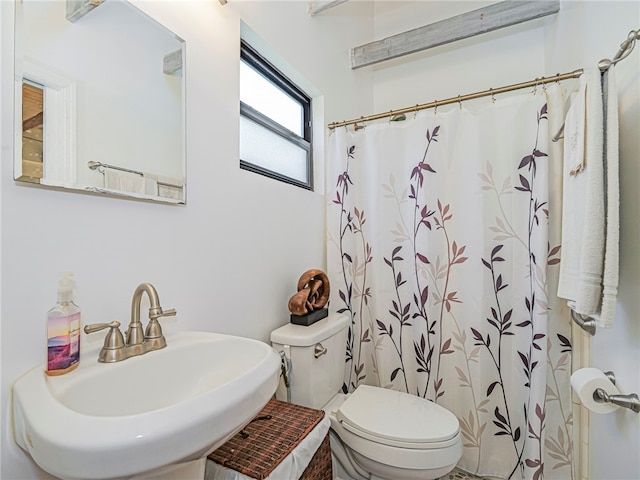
point(630, 401)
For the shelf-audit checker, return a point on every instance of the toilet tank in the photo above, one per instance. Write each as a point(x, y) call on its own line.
point(316, 375)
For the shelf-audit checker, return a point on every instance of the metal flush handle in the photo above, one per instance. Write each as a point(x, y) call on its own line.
point(319, 350)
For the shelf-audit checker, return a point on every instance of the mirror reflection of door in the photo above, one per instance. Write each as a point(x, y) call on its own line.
point(32, 132)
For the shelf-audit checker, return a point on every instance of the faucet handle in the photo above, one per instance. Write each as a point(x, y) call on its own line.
point(153, 337)
point(159, 312)
point(113, 349)
point(96, 327)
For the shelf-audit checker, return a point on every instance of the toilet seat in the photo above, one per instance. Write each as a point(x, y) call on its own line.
point(399, 450)
point(398, 419)
point(395, 443)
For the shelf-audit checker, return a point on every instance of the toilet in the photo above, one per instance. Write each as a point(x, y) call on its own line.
point(376, 433)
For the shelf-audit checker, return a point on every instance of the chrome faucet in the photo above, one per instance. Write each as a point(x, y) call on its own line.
point(137, 342)
point(152, 339)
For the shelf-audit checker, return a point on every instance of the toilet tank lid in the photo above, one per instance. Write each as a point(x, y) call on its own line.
point(305, 336)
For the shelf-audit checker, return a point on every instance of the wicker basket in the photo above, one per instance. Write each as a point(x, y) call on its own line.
point(258, 449)
point(319, 467)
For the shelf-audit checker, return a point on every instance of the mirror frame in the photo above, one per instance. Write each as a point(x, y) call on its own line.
point(60, 98)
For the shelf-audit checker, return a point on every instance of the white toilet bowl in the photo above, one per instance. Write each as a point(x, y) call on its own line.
point(389, 435)
point(376, 433)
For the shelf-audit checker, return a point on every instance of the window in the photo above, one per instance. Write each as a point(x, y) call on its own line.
point(275, 122)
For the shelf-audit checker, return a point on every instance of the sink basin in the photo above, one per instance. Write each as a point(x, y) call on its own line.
point(169, 406)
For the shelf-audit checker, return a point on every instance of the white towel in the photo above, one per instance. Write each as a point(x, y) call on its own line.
point(124, 181)
point(612, 202)
point(111, 179)
point(131, 182)
point(583, 215)
point(150, 186)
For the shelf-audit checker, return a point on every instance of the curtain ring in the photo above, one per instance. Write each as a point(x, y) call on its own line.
point(493, 97)
point(435, 110)
point(415, 112)
point(459, 102)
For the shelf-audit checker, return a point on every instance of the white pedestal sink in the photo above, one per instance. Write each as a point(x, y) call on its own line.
point(116, 420)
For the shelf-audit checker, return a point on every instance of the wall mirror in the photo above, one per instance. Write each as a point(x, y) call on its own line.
point(100, 100)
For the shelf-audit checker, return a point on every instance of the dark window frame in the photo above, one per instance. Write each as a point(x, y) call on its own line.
point(277, 78)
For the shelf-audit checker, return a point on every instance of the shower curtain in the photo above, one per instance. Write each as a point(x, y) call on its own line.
point(443, 248)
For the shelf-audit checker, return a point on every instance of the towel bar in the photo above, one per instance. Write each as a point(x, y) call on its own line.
point(98, 165)
point(586, 323)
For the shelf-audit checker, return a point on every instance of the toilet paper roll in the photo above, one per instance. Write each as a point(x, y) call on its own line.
point(585, 381)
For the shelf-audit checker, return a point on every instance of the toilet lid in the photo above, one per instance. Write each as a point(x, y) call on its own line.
point(397, 418)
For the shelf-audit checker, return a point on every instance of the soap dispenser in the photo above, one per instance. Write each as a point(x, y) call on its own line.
point(63, 330)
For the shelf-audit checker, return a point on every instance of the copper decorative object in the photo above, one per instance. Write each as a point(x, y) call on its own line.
point(312, 296)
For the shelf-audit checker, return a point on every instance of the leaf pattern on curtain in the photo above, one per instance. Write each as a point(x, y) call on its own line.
point(439, 250)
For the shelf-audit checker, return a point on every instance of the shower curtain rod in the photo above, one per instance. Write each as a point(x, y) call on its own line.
point(625, 49)
point(459, 99)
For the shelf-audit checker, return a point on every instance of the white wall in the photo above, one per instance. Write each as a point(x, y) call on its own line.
point(230, 259)
point(581, 34)
point(492, 60)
